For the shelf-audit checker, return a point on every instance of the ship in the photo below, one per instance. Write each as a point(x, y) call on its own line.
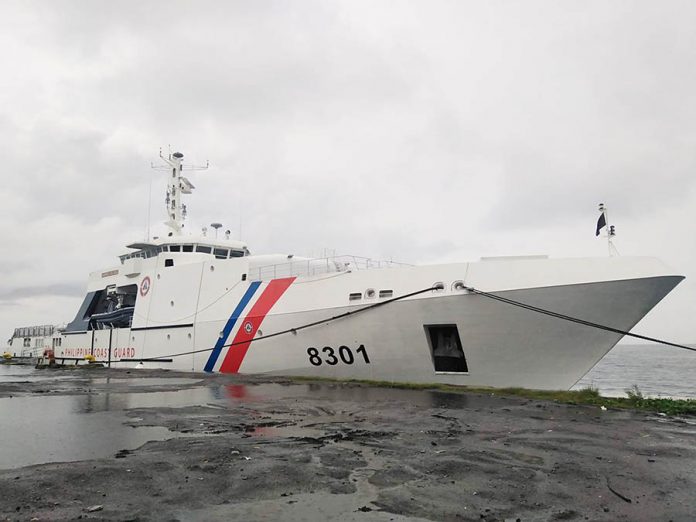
point(203, 303)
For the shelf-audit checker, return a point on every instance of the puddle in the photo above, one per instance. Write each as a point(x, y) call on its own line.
point(36, 430)
point(145, 381)
point(331, 392)
point(11, 373)
point(106, 401)
point(63, 428)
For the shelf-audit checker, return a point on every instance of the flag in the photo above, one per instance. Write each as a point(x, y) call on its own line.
point(601, 223)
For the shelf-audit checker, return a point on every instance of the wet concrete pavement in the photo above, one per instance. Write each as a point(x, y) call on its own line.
point(228, 448)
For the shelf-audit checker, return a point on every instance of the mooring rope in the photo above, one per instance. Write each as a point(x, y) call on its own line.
point(574, 319)
point(470, 289)
point(292, 330)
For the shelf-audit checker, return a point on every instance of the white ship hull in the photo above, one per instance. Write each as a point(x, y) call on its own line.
point(202, 303)
point(191, 308)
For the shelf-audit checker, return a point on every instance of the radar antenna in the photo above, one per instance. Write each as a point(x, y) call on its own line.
point(177, 186)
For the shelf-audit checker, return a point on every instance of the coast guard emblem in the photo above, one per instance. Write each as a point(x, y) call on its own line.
point(145, 286)
point(248, 327)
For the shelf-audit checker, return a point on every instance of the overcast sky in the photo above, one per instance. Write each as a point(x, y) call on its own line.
point(422, 131)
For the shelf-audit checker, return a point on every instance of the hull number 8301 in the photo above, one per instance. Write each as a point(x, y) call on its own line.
point(332, 357)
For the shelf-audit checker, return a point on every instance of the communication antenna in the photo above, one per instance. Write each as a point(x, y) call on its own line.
point(177, 186)
point(216, 226)
point(149, 210)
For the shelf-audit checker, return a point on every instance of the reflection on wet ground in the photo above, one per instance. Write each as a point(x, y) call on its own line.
point(98, 420)
point(26, 374)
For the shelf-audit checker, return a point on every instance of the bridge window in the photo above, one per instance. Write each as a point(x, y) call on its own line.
point(204, 249)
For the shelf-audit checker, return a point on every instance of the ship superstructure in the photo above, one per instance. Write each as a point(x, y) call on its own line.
point(206, 303)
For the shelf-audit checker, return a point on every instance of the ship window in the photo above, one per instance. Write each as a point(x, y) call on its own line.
point(236, 253)
point(168, 262)
point(385, 293)
point(204, 249)
point(355, 296)
point(243, 277)
point(175, 248)
point(446, 348)
point(187, 248)
point(220, 253)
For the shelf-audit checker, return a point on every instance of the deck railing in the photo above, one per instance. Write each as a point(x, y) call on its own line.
point(319, 266)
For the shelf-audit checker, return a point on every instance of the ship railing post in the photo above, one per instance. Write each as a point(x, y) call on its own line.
point(111, 333)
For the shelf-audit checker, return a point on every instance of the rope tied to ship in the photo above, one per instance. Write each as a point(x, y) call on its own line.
point(557, 315)
point(295, 329)
point(440, 286)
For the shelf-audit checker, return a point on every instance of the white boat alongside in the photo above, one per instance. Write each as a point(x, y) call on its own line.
point(202, 303)
point(31, 341)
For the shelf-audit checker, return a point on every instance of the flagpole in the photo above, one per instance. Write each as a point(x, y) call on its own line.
point(610, 230)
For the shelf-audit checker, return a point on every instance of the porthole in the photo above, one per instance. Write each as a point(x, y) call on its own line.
point(370, 293)
point(458, 286)
point(438, 287)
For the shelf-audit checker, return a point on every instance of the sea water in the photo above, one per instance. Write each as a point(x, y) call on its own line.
point(657, 371)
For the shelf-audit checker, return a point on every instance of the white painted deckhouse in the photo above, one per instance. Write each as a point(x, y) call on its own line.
point(206, 303)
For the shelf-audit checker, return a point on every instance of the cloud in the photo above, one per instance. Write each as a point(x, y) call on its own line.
point(59, 289)
point(422, 132)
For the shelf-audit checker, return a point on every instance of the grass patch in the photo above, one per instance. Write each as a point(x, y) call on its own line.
point(587, 396)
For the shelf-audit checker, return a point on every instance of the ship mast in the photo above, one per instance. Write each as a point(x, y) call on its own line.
point(177, 186)
point(610, 230)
